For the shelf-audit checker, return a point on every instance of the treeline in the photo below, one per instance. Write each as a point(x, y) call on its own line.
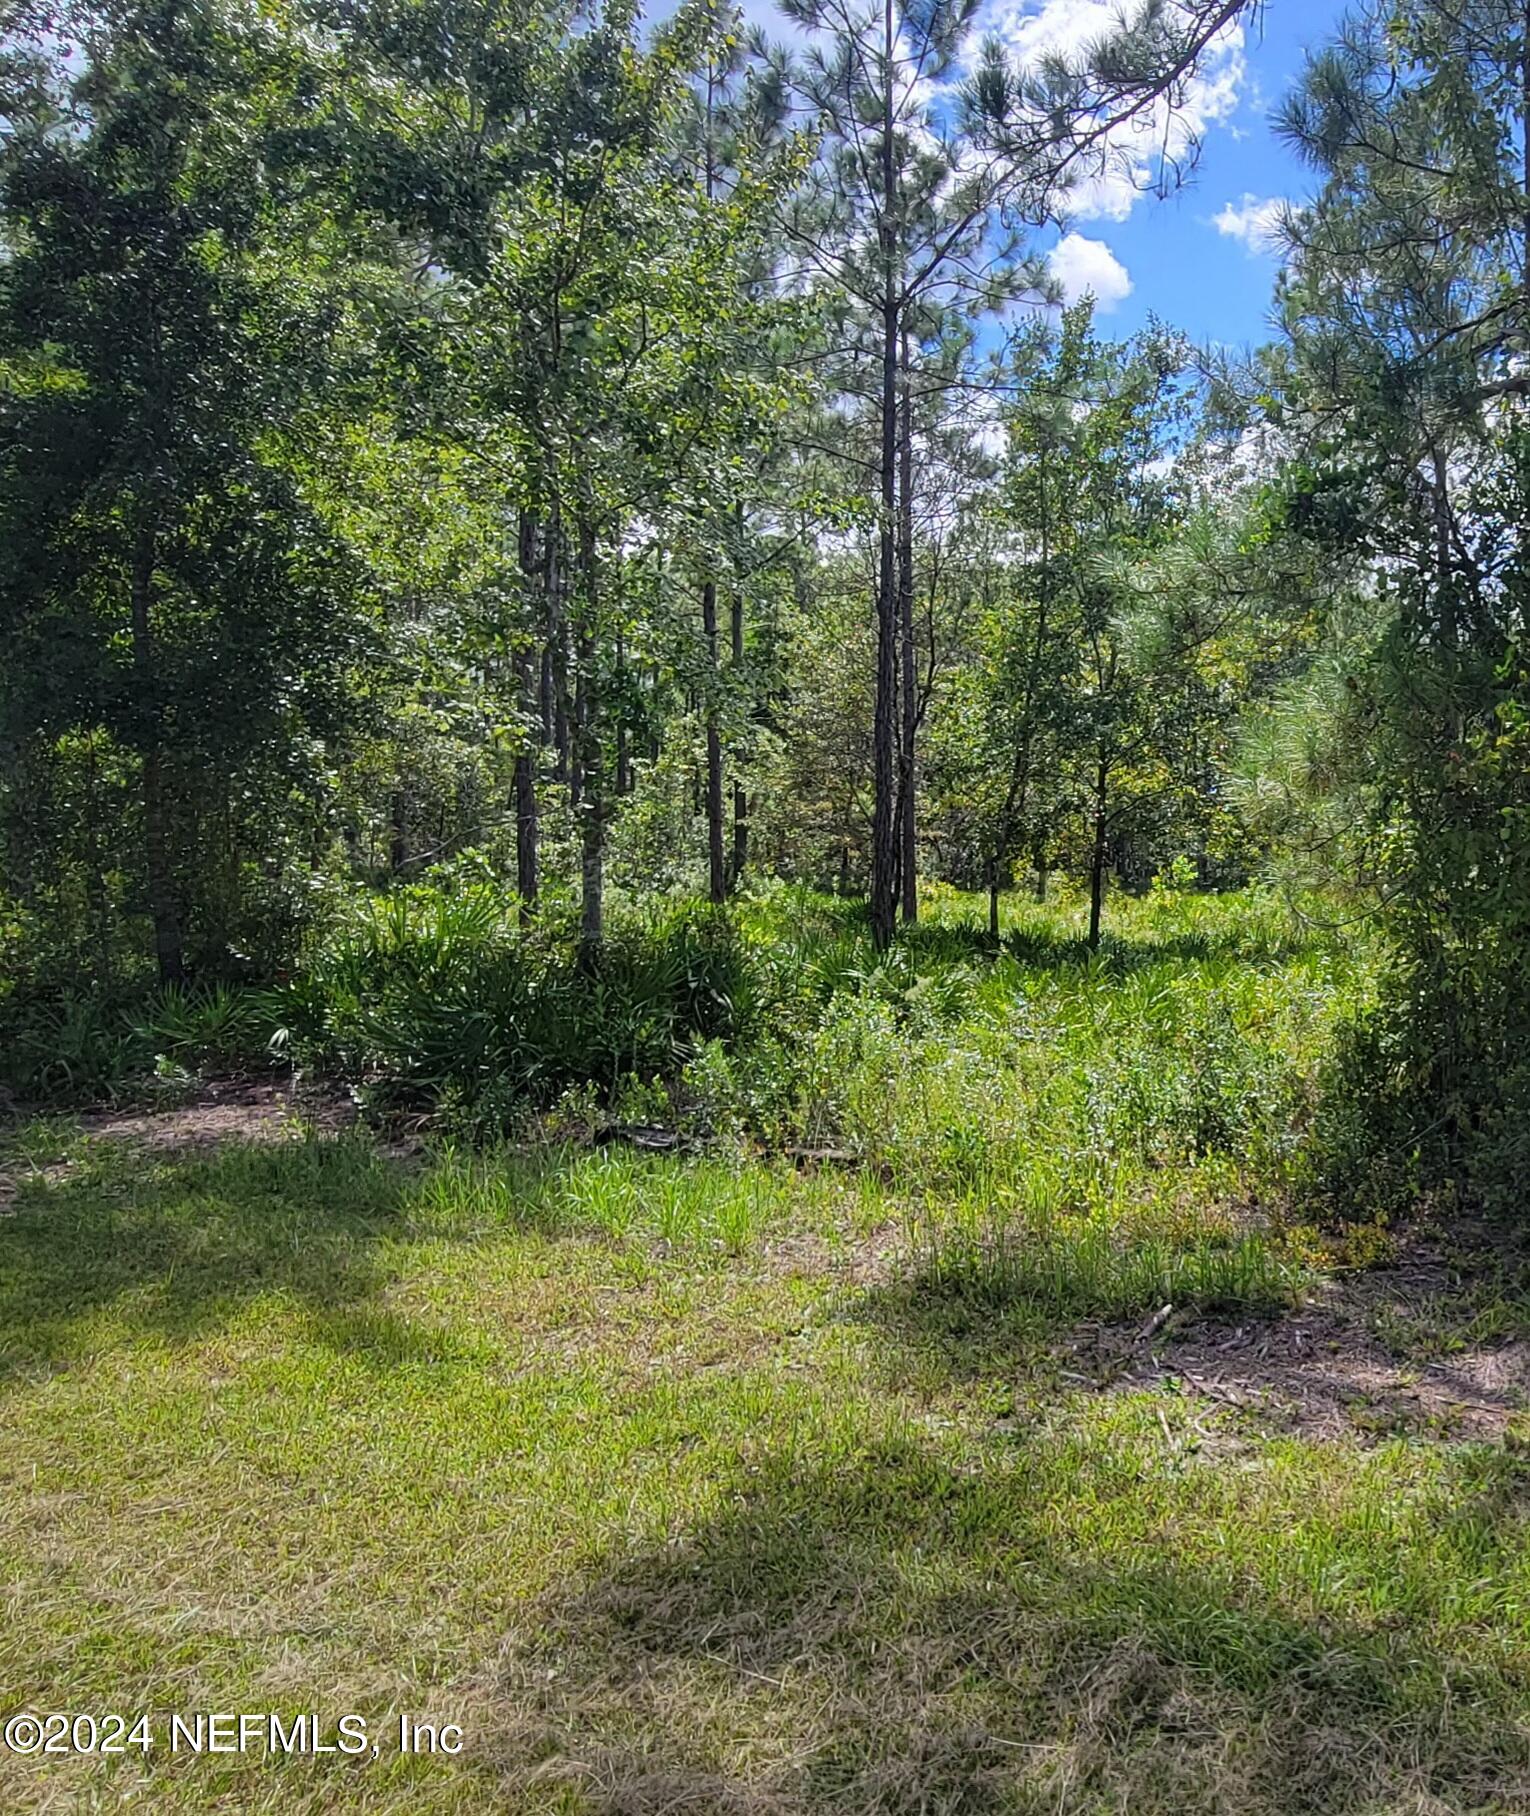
point(429, 420)
point(501, 443)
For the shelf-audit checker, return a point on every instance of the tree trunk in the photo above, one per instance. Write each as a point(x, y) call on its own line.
point(884, 848)
point(526, 866)
point(623, 756)
point(592, 851)
point(576, 739)
point(717, 872)
point(740, 860)
point(1097, 855)
point(557, 652)
point(164, 911)
point(526, 879)
point(740, 794)
point(908, 847)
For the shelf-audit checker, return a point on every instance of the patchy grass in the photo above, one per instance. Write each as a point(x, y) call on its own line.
point(704, 1484)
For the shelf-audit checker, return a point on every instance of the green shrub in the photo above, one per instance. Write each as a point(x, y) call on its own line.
point(89, 1047)
point(445, 997)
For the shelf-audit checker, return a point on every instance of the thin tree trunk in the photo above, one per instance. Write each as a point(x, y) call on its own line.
point(1097, 854)
point(592, 852)
point(740, 793)
point(526, 867)
point(740, 860)
point(717, 875)
point(576, 737)
point(623, 755)
point(557, 650)
point(884, 849)
point(907, 772)
point(398, 833)
point(526, 879)
point(95, 876)
point(164, 911)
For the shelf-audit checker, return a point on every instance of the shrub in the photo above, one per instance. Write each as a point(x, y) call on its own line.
point(445, 996)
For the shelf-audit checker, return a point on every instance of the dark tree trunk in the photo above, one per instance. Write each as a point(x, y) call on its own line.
point(97, 896)
point(526, 879)
point(1097, 854)
point(717, 872)
point(398, 833)
point(164, 911)
point(740, 860)
point(580, 717)
point(884, 846)
point(592, 852)
point(526, 866)
point(908, 846)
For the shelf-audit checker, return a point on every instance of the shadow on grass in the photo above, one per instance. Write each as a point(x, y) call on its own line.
point(890, 1632)
point(976, 1311)
point(1051, 949)
point(170, 1245)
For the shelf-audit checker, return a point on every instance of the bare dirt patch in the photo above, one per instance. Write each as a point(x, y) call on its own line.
point(221, 1111)
point(233, 1111)
point(1355, 1356)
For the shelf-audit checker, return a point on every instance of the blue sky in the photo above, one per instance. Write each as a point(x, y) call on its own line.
point(1215, 282)
point(1195, 259)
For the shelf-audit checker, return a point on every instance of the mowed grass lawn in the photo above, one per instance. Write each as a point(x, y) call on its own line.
point(710, 1484)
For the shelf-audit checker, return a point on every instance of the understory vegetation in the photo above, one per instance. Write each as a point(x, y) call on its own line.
point(1030, 1065)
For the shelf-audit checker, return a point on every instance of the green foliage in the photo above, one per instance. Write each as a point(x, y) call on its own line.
point(1102, 672)
point(79, 1048)
point(1403, 387)
point(443, 998)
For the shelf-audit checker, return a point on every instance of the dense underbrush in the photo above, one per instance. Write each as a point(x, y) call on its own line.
point(1061, 1125)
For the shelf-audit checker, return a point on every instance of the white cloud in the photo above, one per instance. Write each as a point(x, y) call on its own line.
point(991, 438)
point(1081, 265)
point(1256, 223)
point(1125, 169)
